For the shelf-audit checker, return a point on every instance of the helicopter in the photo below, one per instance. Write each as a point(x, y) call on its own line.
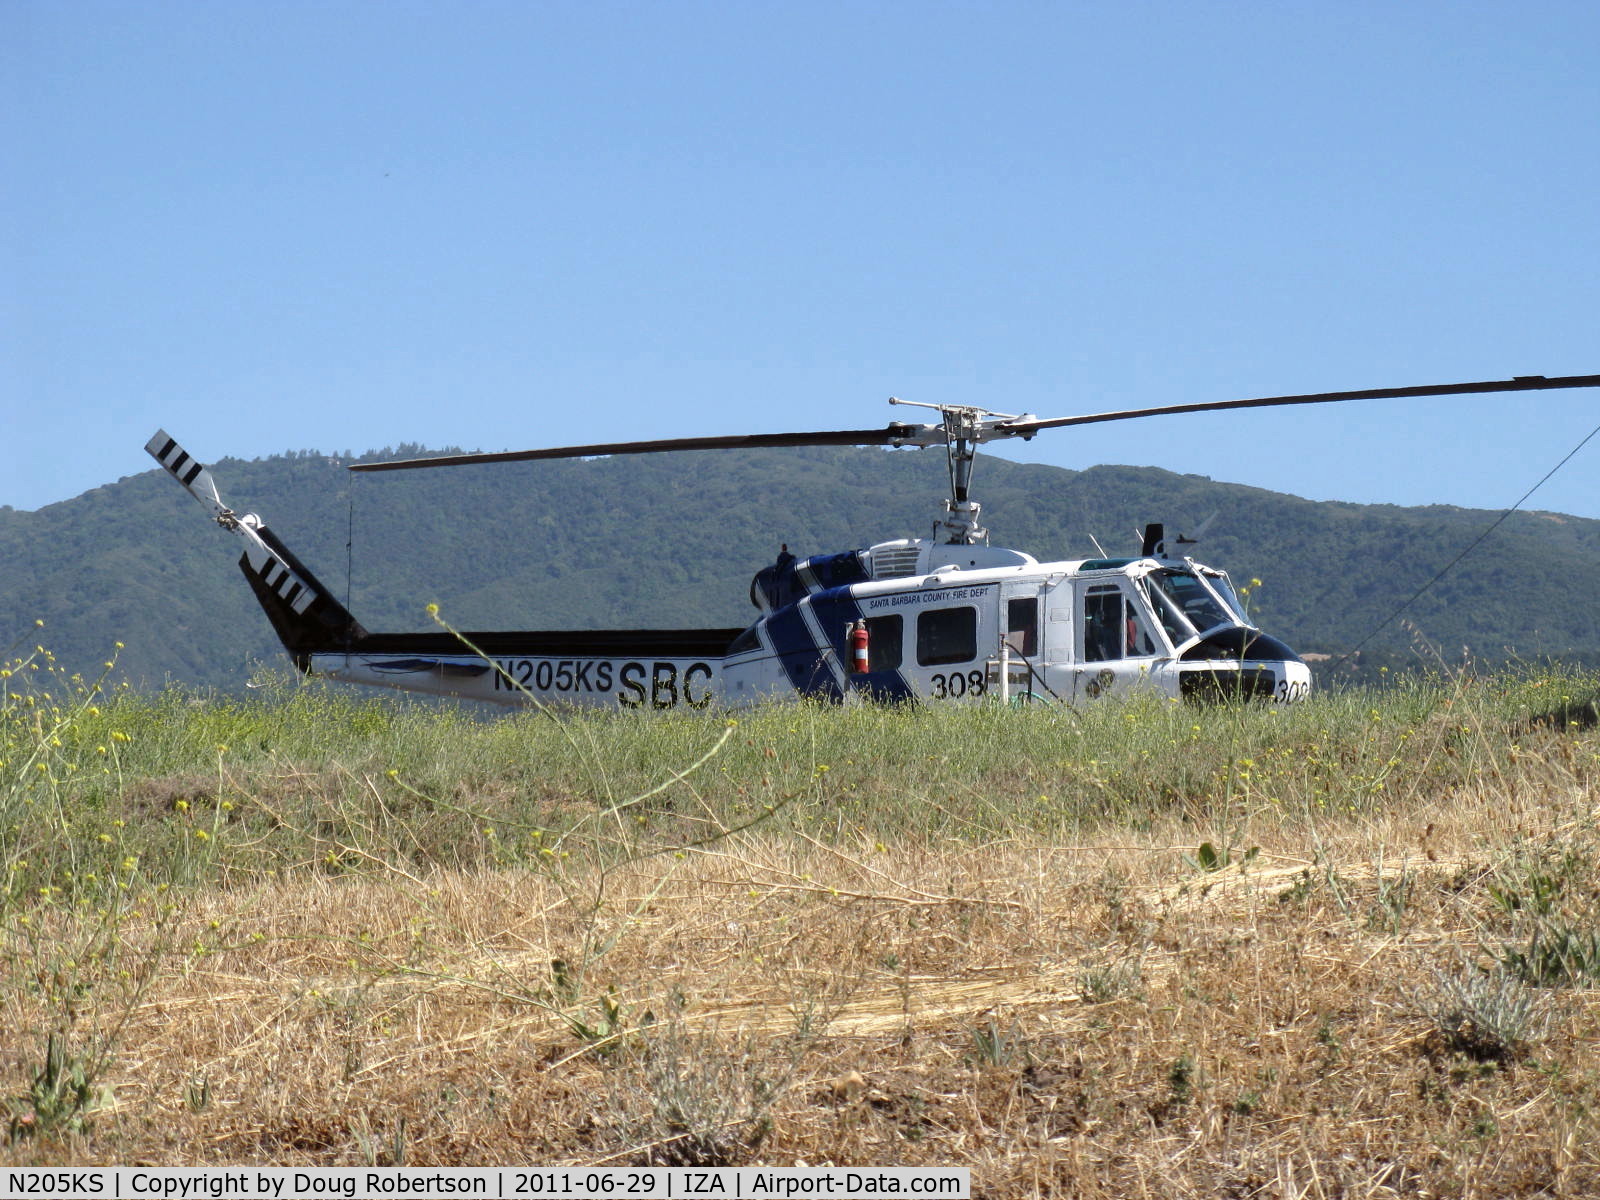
point(935, 618)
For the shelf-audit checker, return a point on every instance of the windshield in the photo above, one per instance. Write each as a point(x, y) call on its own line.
point(1183, 599)
point(1223, 587)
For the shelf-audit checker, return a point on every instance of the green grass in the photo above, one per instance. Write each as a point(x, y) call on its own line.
point(202, 789)
point(369, 869)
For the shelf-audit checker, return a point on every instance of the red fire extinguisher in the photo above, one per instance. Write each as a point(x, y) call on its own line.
point(858, 647)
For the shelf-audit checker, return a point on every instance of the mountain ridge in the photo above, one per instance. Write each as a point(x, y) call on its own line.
point(672, 540)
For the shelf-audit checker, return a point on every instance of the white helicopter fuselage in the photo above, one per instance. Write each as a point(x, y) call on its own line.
point(941, 623)
point(946, 618)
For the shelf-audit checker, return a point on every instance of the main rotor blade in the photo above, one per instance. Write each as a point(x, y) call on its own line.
point(900, 434)
point(893, 434)
point(1521, 383)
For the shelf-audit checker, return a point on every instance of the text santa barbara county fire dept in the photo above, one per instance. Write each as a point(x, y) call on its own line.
point(420, 1183)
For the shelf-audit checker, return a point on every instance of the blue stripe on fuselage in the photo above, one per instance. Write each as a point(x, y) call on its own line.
point(804, 662)
point(799, 654)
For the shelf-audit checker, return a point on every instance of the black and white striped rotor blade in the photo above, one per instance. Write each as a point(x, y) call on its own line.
point(265, 558)
point(188, 471)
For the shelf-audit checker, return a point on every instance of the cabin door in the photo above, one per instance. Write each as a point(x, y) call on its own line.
point(1023, 634)
point(1115, 645)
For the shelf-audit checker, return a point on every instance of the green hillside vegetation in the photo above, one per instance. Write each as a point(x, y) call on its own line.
point(672, 540)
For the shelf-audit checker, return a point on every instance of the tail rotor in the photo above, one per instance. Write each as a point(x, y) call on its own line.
point(303, 612)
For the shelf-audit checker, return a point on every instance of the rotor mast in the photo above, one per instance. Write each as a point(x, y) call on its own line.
point(964, 427)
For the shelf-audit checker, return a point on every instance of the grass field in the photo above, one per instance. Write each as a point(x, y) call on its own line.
point(1348, 949)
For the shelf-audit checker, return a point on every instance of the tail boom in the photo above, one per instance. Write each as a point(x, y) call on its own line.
point(638, 668)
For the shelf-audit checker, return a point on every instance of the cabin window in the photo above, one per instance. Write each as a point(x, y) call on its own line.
point(1022, 625)
point(1114, 627)
point(884, 638)
point(947, 635)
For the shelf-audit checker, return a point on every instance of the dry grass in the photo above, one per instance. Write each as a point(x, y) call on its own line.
point(1088, 1020)
point(1349, 950)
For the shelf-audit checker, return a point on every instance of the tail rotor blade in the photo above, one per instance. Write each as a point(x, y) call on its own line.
point(280, 580)
point(190, 472)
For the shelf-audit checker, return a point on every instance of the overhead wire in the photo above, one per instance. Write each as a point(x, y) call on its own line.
point(350, 544)
point(1475, 543)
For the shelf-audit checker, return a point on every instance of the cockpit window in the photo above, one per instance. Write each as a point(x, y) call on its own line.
point(1190, 597)
point(1171, 617)
point(1220, 584)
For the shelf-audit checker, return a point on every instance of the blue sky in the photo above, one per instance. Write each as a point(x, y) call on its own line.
point(348, 225)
